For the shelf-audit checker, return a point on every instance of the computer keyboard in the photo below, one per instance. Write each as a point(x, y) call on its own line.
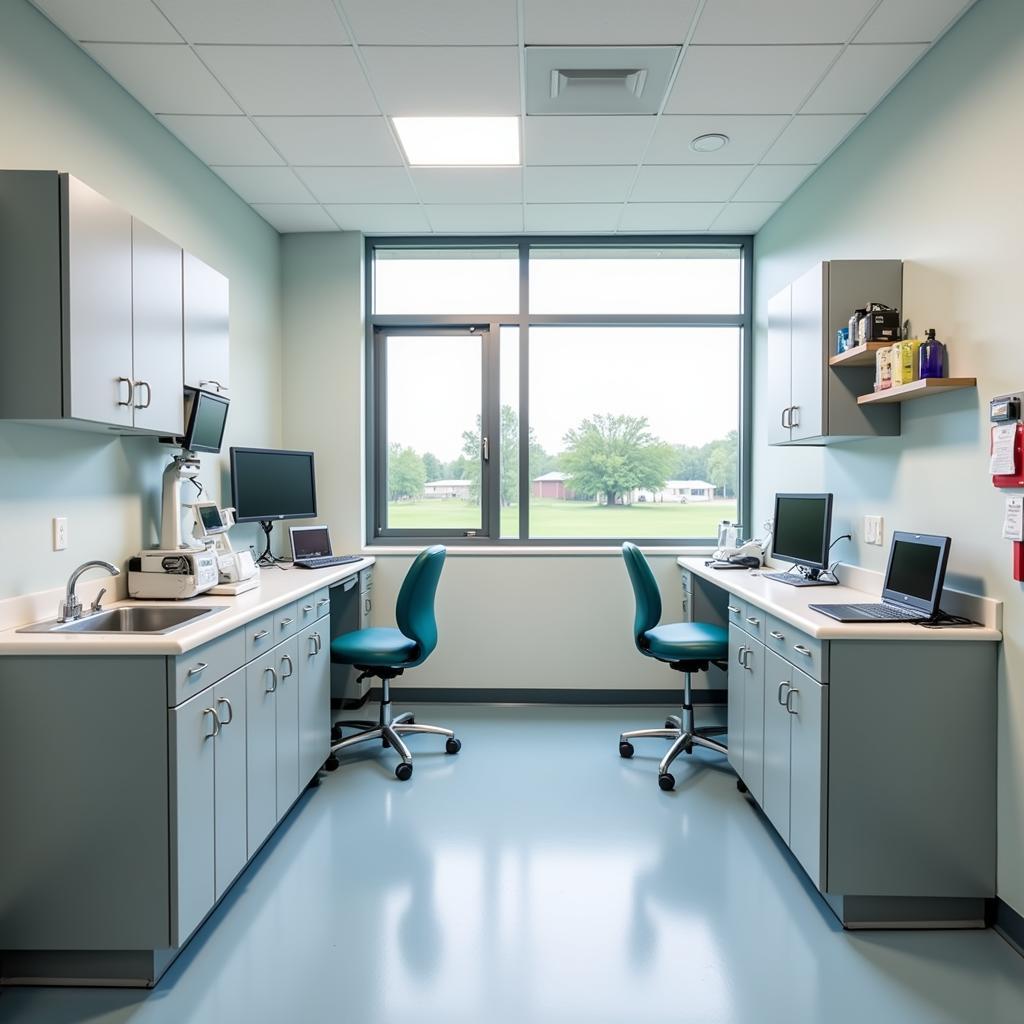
point(324, 561)
point(878, 611)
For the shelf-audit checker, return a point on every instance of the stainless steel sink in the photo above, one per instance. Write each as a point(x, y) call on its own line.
point(134, 619)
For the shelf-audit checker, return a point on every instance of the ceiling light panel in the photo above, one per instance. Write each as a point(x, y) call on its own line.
point(448, 22)
point(444, 81)
point(794, 21)
point(459, 141)
point(607, 22)
point(292, 79)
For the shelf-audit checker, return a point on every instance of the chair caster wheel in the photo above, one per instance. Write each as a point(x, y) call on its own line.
point(625, 749)
point(452, 745)
point(403, 772)
point(741, 785)
point(331, 763)
point(336, 731)
point(667, 781)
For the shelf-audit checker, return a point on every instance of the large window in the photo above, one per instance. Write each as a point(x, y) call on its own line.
point(534, 392)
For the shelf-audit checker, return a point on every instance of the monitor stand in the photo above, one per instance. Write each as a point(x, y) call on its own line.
point(812, 578)
point(268, 557)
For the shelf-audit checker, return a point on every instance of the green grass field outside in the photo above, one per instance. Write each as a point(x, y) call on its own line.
point(550, 518)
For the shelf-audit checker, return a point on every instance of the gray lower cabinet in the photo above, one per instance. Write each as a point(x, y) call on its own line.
point(746, 721)
point(314, 696)
point(286, 713)
point(261, 682)
point(230, 781)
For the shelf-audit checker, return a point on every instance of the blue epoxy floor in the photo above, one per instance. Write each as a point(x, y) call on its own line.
point(536, 878)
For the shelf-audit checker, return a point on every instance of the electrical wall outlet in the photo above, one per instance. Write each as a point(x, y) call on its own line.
point(873, 530)
point(60, 533)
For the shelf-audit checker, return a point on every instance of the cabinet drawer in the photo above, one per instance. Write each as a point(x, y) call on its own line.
point(736, 611)
point(286, 622)
point(313, 606)
point(202, 667)
point(797, 648)
point(753, 620)
point(259, 636)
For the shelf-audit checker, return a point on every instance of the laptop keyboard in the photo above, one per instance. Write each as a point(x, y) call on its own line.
point(879, 611)
point(323, 561)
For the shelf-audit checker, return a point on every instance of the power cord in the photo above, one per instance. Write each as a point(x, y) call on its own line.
point(943, 619)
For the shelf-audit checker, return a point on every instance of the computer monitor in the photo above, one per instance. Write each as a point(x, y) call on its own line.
point(916, 571)
point(206, 415)
point(269, 484)
point(802, 530)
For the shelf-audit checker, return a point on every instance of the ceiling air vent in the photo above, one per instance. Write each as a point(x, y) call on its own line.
point(597, 79)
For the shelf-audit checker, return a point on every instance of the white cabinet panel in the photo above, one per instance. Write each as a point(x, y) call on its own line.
point(314, 698)
point(261, 682)
point(229, 780)
point(778, 679)
point(287, 715)
point(808, 771)
point(206, 304)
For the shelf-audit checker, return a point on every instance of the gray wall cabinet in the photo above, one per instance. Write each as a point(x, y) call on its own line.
point(160, 780)
point(98, 317)
point(808, 402)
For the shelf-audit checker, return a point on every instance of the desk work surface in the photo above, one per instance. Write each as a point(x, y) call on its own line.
point(791, 604)
point(278, 586)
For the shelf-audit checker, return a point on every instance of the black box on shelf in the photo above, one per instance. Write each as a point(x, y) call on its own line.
point(879, 323)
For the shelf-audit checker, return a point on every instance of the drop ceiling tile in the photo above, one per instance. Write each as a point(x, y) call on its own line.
point(291, 79)
point(608, 22)
point(444, 81)
point(443, 185)
point(448, 22)
point(772, 183)
point(743, 218)
point(164, 78)
point(749, 138)
point(861, 77)
point(910, 21)
point(256, 21)
point(358, 185)
point(688, 183)
point(475, 218)
point(265, 184)
point(587, 184)
point(572, 217)
point(747, 79)
point(794, 21)
point(221, 139)
point(287, 217)
point(587, 140)
point(332, 141)
point(112, 21)
point(669, 216)
point(373, 218)
point(810, 138)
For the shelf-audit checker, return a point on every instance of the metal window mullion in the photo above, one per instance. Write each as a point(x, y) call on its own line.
point(524, 393)
point(490, 427)
point(380, 433)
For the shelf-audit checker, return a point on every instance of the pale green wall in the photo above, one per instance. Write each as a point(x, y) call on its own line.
point(61, 111)
point(933, 176)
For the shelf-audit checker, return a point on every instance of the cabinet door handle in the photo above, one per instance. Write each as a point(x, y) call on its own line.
point(273, 677)
point(753, 621)
point(130, 400)
point(789, 707)
point(314, 639)
point(779, 697)
point(231, 711)
point(748, 653)
point(776, 635)
point(732, 608)
point(216, 723)
point(261, 634)
point(739, 656)
point(291, 667)
point(149, 394)
point(216, 383)
point(800, 649)
point(794, 421)
point(197, 668)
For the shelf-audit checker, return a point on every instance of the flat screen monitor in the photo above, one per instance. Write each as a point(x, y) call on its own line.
point(206, 415)
point(916, 571)
point(269, 484)
point(803, 529)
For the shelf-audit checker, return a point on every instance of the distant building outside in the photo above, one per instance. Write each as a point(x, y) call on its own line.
point(552, 485)
point(447, 489)
point(681, 491)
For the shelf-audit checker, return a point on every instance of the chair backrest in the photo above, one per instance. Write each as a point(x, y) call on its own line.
point(415, 610)
point(645, 591)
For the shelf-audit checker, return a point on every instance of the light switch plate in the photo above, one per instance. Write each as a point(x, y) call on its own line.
point(60, 533)
point(873, 532)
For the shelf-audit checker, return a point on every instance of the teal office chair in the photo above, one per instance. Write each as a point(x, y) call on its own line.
point(686, 647)
point(384, 654)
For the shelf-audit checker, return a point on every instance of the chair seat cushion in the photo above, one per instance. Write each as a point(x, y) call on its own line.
point(375, 646)
point(687, 641)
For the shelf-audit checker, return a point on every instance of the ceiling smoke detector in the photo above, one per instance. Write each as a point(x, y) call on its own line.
point(709, 143)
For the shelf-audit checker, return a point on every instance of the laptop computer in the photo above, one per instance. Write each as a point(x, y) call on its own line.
point(311, 548)
point(913, 583)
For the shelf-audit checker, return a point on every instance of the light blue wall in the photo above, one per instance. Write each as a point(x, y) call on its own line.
point(933, 176)
point(61, 111)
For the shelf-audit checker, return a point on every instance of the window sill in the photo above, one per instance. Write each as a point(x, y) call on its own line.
point(597, 551)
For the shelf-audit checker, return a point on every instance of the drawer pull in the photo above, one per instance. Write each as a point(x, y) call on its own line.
point(734, 609)
point(231, 711)
point(739, 656)
point(261, 634)
point(307, 607)
point(216, 723)
point(273, 676)
point(779, 697)
point(789, 707)
point(286, 622)
point(800, 649)
point(776, 635)
point(197, 668)
point(323, 601)
point(753, 621)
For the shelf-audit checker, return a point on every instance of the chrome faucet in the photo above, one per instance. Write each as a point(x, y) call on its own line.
point(71, 608)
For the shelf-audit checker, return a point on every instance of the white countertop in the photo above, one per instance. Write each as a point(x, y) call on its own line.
point(278, 586)
point(791, 605)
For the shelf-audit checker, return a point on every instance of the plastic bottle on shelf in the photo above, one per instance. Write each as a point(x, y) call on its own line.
point(932, 356)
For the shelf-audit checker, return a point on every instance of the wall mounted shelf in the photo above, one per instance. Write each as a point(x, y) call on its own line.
point(917, 389)
point(859, 355)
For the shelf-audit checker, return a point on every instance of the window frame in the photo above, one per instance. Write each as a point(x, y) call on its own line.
point(490, 536)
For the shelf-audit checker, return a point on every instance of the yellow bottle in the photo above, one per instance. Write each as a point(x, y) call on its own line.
point(904, 361)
